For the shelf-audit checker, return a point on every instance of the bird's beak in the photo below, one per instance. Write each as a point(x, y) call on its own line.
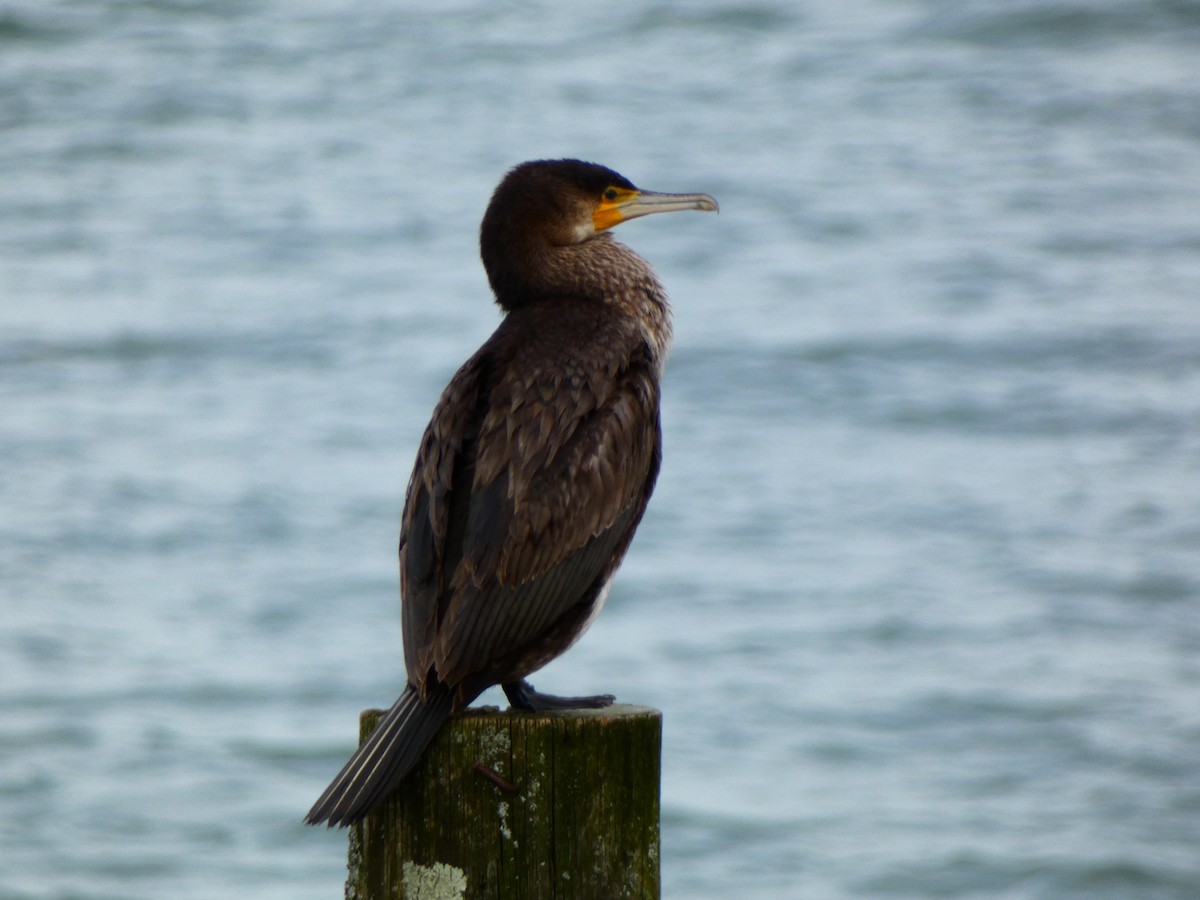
point(632, 204)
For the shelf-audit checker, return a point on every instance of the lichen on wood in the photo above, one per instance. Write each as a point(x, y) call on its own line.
point(522, 805)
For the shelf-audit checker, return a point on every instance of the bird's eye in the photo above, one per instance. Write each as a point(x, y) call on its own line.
point(610, 194)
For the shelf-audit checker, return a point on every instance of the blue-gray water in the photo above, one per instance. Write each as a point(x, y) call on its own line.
point(919, 592)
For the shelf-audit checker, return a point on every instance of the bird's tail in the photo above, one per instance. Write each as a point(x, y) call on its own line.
point(384, 758)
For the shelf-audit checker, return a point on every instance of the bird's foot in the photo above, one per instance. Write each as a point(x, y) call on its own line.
point(521, 695)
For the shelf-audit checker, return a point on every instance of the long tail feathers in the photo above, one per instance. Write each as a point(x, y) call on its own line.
point(385, 757)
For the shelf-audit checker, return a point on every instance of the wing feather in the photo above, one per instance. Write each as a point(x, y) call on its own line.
point(532, 475)
point(430, 542)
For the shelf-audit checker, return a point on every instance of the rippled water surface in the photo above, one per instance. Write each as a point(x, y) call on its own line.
point(918, 591)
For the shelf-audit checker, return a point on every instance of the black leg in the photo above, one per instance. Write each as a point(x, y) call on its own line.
point(521, 695)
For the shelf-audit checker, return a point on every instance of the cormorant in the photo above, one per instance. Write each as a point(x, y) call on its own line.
point(535, 468)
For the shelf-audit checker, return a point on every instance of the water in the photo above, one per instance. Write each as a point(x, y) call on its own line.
point(918, 590)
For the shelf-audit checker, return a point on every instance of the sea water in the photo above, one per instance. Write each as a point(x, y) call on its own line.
point(918, 590)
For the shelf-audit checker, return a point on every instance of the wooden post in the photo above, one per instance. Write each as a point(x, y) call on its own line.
point(519, 805)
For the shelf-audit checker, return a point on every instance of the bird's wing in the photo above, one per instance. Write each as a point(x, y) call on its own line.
point(426, 541)
point(561, 463)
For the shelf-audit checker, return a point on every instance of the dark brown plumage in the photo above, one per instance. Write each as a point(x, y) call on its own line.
point(535, 469)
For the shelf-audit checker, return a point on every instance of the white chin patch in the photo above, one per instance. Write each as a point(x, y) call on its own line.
point(584, 231)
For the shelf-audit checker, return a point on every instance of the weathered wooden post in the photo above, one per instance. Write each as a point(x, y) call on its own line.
point(528, 805)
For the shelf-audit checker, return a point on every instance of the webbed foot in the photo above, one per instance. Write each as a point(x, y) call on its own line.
point(521, 695)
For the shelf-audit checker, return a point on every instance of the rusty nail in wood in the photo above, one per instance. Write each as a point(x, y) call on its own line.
point(494, 777)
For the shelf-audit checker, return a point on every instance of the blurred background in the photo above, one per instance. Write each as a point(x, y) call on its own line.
point(917, 593)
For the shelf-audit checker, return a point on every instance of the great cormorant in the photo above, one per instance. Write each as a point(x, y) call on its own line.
point(535, 468)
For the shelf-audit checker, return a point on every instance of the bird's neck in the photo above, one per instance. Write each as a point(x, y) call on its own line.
point(599, 270)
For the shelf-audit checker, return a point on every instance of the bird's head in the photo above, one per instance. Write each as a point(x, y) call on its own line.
point(561, 203)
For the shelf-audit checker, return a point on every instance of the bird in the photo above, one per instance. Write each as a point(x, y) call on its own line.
point(535, 468)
